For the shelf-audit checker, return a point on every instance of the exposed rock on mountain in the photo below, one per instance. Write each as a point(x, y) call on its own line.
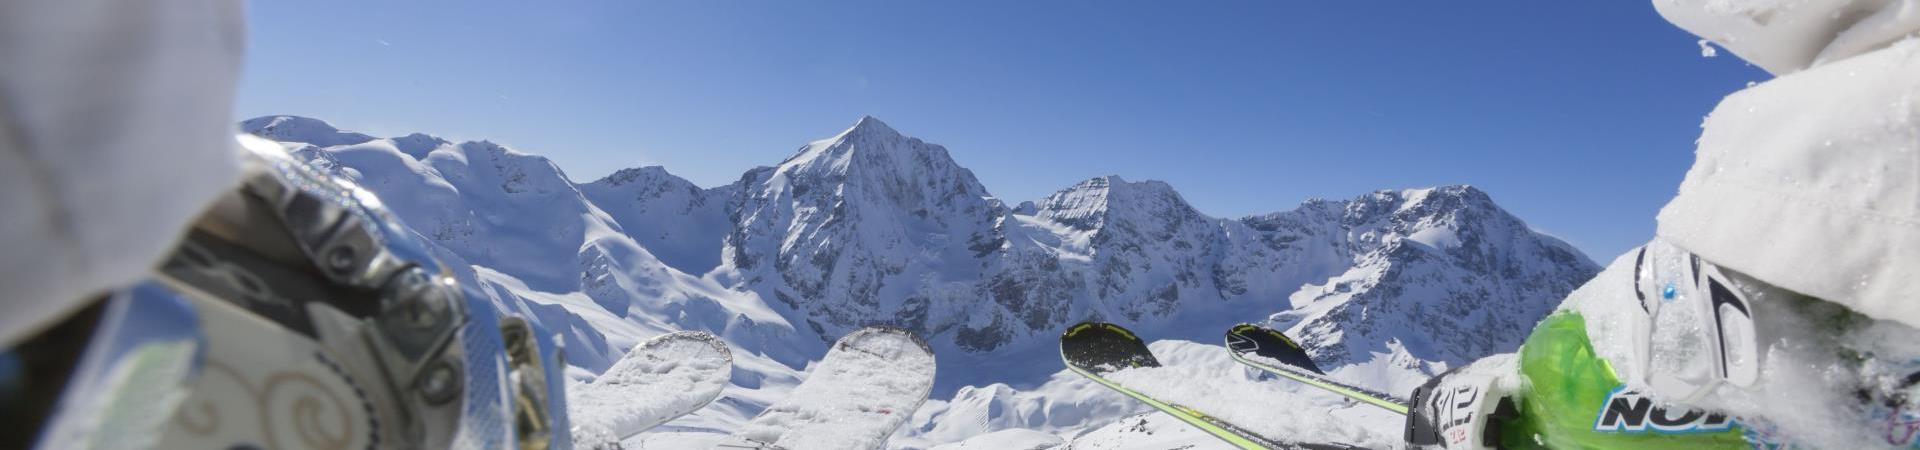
point(871, 226)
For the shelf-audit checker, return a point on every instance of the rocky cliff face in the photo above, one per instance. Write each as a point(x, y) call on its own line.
point(1443, 272)
point(862, 228)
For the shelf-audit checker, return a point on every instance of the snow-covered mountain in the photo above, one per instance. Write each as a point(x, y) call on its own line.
point(868, 226)
point(680, 223)
point(1442, 274)
point(537, 242)
point(871, 226)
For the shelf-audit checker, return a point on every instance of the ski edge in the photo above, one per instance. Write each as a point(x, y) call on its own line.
point(1383, 400)
point(1232, 434)
point(1226, 432)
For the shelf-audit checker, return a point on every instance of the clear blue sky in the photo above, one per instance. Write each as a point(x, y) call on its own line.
point(1578, 116)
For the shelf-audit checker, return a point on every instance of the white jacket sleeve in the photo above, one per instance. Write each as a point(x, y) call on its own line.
point(115, 131)
point(1788, 36)
point(1811, 181)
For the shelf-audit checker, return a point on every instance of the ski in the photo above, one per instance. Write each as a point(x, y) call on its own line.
point(1273, 352)
point(1095, 350)
point(666, 377)
point(868, 385)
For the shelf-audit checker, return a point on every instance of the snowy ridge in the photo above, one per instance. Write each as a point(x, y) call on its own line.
point(637, 198)
point(300, 129)
point(874, 227)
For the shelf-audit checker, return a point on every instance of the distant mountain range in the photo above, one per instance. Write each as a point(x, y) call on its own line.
point(872, 226)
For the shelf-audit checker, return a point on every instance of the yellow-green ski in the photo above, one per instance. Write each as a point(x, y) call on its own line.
point(1273, 352)
point(1093, 349)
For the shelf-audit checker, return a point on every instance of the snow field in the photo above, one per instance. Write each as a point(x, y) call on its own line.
point(1009, 439)
point(1258, 406)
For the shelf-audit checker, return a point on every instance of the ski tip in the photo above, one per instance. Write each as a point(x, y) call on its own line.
point(885, 329)
point(1244, 327)
point(691, 336)
point(1251, 330)
point(1249, 340)
point(1084, 327)
point(1098, 347)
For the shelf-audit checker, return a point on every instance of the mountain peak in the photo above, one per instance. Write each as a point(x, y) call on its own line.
point(418, 145)
point(873, 147)
point(868, 132)
point(1448, 199)
point(647, 174)
point(287, 121)
point(1087, 204)
point(1115, 185)
point(300, 129)
point(1448, 191)
point(867, 126)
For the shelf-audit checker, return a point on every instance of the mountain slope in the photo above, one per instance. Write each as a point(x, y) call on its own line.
point(874, 227)
point(526, 234)
point(680, 223)
point(861, 228)
point(1437, 275)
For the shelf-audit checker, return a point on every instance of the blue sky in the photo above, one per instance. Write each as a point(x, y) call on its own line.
point(1578, 116)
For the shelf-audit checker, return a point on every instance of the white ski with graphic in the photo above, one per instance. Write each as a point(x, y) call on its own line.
point(867, 386)
point(669, 376)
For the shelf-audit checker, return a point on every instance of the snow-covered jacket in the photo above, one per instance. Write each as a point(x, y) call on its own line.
point(116, 130)
point(1811, 181)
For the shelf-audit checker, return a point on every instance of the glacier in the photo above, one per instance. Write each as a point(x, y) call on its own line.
point(871, 226)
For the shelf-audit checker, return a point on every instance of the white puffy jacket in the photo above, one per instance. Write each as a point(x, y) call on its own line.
point(1811, 181)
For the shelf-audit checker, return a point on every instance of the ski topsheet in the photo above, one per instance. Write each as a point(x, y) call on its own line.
point(1272, 351)
point(868, 385)
point(662, 379)
point(1102, 350)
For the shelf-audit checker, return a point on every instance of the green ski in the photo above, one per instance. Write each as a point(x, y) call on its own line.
point(1094, 349)
point(1272, 351)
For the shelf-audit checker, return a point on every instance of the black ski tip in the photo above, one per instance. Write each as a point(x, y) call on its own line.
point(1250, 339)
point(1099, 347)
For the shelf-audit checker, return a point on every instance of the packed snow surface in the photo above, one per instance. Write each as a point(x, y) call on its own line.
point(662, 379)
point(1087, 415)
point(1213, 365)
point(1383, 391)
point(1008, 439)
point(865, 388)
point(1256, 406)
point(1152, 431)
